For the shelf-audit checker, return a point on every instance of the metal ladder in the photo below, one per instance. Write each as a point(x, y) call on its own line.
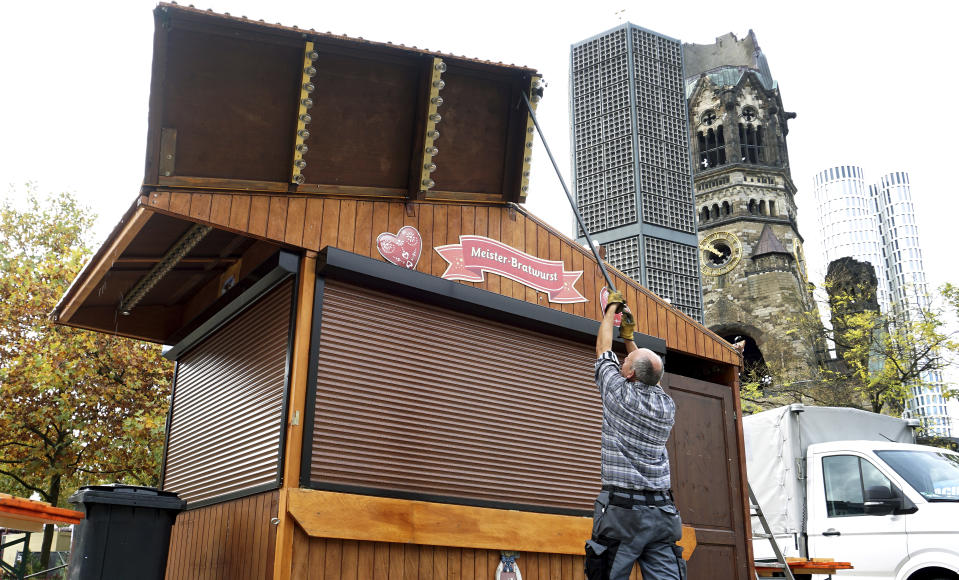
point(757, 511)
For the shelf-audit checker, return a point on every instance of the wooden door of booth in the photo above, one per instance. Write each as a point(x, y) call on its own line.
point(704, 458)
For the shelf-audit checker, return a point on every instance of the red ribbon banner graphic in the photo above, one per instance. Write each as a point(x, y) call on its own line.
point(470, 259)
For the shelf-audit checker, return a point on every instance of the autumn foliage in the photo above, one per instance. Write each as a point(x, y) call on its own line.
point(875, 361)
point(78, 407)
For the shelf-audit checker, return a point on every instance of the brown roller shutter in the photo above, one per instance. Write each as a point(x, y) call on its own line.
point(446, 404)
point(227, 404)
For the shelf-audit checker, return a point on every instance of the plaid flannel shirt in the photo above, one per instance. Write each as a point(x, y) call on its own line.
point(637, 419)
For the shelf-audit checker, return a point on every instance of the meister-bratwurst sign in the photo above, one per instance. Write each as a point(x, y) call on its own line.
point(470, 259)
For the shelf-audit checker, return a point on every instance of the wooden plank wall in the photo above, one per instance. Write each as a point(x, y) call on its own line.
point(314, 222)
point(232, 540)
point(328, 559)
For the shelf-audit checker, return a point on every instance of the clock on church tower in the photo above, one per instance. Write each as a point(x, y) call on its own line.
point(720, 252)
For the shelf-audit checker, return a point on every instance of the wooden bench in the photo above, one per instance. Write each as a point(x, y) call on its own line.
point(804, 566)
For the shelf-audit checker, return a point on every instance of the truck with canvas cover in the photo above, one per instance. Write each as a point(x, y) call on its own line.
point(851, 485)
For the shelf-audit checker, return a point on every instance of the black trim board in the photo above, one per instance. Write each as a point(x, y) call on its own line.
point(169, 422)
point(309, 407)
point(288, 370)
point(378, 275)
point(232, 496)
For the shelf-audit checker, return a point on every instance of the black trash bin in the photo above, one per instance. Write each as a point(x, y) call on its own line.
point(125, 534)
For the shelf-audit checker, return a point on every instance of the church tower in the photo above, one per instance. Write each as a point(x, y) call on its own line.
point(751, 257)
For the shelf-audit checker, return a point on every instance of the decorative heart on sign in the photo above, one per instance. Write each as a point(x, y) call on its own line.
point(402, 248)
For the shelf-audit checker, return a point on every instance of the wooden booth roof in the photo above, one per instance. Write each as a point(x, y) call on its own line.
point(229, 183)
point(245, 229)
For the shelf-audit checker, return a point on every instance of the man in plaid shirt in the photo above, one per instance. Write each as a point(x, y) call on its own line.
point(634, 518)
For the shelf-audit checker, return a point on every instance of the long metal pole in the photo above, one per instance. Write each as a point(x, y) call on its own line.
point(572, 203)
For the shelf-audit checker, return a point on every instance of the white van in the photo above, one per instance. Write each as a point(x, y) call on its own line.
point(849, 485)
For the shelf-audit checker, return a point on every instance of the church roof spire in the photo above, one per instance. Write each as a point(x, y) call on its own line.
point(769, 244)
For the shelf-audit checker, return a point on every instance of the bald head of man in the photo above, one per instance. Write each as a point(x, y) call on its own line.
point(643, 365)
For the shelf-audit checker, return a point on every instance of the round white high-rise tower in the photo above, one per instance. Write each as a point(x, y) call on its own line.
point(900, 240)
point(848, 221)
point(907, 284)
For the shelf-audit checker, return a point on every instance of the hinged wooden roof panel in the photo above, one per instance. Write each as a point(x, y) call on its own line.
point(99, 299)
point(232, 99)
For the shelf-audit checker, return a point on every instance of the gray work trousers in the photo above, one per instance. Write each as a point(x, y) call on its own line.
point(623, 535)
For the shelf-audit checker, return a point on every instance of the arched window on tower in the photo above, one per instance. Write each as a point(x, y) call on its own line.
point(712, 148)
point(743, 152)
point(726, 208)
point(704, 214)
point(751, 149)
point(772, 207)
point(711, 142)
point(750, 137)
point(752, 206)
point(760, 158)
point(703, 156)
point(720, 150)
point(762, 207)
point(715, 212)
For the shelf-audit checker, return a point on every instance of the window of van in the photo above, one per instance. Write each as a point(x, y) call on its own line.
point(934, 474)
point(849, 481)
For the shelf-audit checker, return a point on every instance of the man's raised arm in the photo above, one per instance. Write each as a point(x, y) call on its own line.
point(604, 338)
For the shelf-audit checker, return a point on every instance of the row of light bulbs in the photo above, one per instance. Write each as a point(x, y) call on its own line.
point(432, 134)
point(304, 118)
point(536, 90)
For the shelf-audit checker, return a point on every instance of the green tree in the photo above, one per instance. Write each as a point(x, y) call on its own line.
point(877, 356)
point(78, 407)
point(883, 355)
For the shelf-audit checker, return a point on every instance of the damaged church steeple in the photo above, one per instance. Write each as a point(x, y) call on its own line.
point(745, 197)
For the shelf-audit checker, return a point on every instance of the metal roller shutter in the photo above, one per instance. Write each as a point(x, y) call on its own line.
point(227, 404)
point(419, 400)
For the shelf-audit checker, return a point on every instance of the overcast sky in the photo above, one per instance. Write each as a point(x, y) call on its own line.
point(862, 77)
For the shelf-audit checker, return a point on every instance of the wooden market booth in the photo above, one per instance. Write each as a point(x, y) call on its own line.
point(383, 368)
